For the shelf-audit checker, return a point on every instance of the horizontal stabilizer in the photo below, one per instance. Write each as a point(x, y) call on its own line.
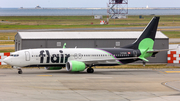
point(156, 51)
point(142, 56)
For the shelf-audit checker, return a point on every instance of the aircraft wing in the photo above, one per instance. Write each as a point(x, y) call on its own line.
point(107, 60)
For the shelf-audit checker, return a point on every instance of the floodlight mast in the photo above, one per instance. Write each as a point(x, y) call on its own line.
point(118, 8)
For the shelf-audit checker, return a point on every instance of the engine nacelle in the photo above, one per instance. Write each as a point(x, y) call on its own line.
point(53, 68)
point(75, 66)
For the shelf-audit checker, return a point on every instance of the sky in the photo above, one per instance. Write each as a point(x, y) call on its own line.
point(84, 3)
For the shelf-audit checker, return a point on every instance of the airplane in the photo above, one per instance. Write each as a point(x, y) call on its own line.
point(79, 59)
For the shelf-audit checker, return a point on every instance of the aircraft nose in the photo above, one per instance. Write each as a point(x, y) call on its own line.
point(7, 60)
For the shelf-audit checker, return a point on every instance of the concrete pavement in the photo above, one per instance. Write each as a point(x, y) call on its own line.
point(6, 46)
point(102, 85)
point(174, 40)
point(85, 29)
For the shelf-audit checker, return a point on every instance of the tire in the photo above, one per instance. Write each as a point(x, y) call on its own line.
point(90, 70)
point(19, 72)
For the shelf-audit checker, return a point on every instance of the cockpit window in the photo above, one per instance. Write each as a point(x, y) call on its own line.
point(14, 55)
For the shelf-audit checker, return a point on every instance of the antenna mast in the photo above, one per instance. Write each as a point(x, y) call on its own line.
point(118, 9)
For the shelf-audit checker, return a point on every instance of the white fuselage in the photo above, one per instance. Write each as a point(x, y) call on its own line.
point(58, 57)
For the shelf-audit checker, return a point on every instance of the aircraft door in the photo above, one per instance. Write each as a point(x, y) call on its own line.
point(135, 53)
point(27, 56)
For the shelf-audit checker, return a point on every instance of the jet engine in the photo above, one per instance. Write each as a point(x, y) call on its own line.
point(75, 66)
point(53, 68)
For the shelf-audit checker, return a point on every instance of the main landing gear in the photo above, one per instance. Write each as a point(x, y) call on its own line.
point(90, 70)
point(20, 71)
point(144, 63)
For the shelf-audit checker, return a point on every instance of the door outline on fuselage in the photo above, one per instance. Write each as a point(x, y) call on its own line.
point(78, 56)
point(135, 53)
point(27, 56)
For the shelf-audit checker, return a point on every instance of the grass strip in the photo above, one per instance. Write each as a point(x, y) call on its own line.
point(7, 49)
point(53, 22)
point(172, 34)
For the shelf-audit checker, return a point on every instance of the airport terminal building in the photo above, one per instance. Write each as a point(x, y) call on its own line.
point(31, 40)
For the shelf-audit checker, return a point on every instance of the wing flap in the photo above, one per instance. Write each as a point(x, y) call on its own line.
point(106, 60)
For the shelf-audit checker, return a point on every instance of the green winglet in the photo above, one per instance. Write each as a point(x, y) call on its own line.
point(143, 55)
point(64, 46)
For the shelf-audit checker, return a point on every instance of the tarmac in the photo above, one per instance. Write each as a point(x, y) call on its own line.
point(174, 40)
point(92, 29)
point(1, 46)
point(103, 85)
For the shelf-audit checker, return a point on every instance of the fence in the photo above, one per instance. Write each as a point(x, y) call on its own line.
point(174, 55)
point(3, 56)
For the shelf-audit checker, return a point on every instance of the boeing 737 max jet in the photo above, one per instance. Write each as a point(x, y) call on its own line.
point(78, 59)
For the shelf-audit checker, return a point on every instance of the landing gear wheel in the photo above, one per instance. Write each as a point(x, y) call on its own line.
point(90, 70)
point(20, 71)
point(144, 63)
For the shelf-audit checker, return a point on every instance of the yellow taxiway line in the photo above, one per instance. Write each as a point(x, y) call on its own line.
point(172, 71)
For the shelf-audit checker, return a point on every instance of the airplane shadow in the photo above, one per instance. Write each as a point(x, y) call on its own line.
point(99, 72)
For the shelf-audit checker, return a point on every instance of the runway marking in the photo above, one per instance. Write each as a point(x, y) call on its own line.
point(44, 75)
point(162, 72)
point(166, 84)
point(172, 71)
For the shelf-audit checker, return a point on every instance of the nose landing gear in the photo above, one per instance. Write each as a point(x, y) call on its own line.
point(20, 71)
